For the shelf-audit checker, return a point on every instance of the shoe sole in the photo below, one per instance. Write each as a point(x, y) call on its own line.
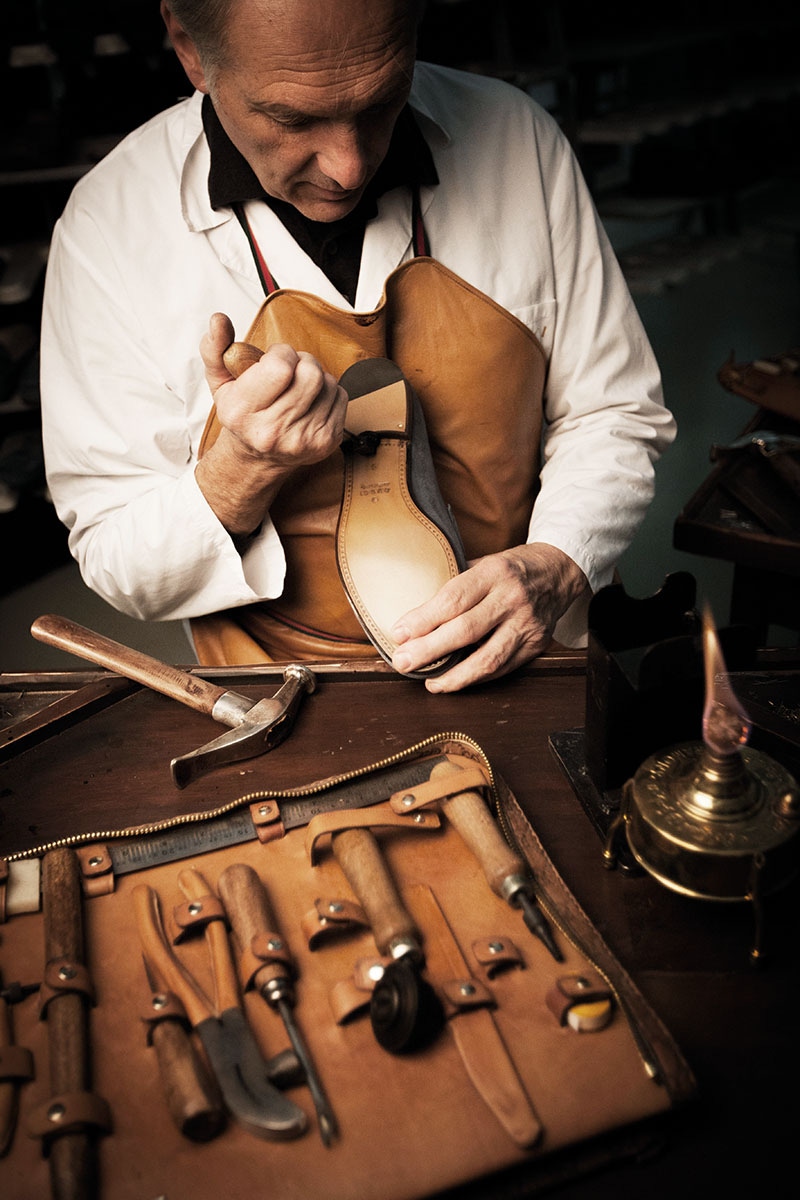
point(391, 555)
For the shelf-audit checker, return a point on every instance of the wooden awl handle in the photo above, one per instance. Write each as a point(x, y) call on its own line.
point(359, 855)
point(241, 355)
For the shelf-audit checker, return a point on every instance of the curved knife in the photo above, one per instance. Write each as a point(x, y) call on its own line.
point(228, 1041)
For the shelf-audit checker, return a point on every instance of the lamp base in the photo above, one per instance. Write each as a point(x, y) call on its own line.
point(711, 827)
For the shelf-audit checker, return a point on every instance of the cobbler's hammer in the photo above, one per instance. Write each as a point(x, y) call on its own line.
point(256, 725)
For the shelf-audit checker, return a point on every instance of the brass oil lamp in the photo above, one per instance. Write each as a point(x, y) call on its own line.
point(715, 819)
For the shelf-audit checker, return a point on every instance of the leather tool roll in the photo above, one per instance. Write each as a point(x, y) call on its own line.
point(410, 1125)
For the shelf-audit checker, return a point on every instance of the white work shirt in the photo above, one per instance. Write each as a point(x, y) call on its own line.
point(139, 261)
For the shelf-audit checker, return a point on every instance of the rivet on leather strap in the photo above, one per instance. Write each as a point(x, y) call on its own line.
point(70, 1112)
point(62, 976)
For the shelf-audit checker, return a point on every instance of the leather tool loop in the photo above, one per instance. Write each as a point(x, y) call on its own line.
point(69, 1112)
point(347, 1001)
point(351, 997)
point(163, 1006)
point(16, 1063)
point(97, 869)
point(580, 988)
point(376, 817)
point(266, 949)
point(471, 778)
point(331, 918)
point(264, 811)
point(192, 916)
point(62, 976)
point(266, 817)
point(465, 994)
point(368, 971)
point(496, 954)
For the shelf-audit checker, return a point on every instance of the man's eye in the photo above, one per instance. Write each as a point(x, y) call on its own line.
point(290, 120)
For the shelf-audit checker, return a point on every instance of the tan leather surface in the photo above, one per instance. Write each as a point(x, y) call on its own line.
point(579, 1084)
point(479, 374)
point(240, 637)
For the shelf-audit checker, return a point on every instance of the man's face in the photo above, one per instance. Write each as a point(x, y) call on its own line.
point(309, 92)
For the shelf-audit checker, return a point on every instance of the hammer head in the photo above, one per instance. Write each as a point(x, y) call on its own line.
point(259, 729)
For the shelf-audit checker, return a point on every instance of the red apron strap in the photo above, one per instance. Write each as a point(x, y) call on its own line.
point(267, 282)
point(421, 246)
point(420, 239)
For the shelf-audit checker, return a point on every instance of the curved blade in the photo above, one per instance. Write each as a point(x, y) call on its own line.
point(242, 1076)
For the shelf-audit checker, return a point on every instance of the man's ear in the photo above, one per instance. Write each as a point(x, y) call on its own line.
point(185, 49)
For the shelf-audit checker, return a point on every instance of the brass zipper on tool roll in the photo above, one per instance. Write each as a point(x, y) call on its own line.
point(223, 810)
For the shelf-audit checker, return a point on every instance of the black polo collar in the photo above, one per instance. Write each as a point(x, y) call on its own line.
point(231, 179)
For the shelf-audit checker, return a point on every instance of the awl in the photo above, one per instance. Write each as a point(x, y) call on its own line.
point(256, 725)
point(270, 971)
point(505, 871)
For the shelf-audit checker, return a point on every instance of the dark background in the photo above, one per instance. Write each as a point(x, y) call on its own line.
point(685, 121)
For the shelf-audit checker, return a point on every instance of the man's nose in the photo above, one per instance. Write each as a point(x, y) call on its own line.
point(343, 157)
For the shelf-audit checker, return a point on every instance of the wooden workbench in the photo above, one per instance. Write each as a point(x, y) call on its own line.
point(83, 751)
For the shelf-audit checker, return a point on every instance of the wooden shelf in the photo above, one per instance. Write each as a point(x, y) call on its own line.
point(653, 267)
point(633, 125)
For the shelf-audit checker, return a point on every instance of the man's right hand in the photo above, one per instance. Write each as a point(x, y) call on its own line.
point(283, 412)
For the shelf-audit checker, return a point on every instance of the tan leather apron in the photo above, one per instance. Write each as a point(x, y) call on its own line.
point(479, 374)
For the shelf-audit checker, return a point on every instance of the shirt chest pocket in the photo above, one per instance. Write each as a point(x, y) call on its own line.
point(540, 318)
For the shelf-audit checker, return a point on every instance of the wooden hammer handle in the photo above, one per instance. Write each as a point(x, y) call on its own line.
point(85, 643)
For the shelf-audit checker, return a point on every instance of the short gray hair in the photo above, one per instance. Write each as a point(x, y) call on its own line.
point(205, 22)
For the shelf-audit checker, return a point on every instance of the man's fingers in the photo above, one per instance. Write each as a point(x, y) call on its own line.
point(492, 610)
point(458, 596)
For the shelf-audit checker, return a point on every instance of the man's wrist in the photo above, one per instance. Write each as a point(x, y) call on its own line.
point(243, 541)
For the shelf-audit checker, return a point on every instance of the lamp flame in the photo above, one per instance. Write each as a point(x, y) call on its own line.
point(726, 725)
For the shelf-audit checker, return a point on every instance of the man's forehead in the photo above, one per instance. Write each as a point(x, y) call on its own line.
point(318, 67)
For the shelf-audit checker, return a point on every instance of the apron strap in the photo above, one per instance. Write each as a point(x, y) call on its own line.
point(419, 237)
point(421, 244)
point(267, 282)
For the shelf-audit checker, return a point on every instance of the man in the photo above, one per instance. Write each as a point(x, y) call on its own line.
point(311, 155)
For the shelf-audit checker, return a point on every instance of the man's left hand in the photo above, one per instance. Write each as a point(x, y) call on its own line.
point(505, 606)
